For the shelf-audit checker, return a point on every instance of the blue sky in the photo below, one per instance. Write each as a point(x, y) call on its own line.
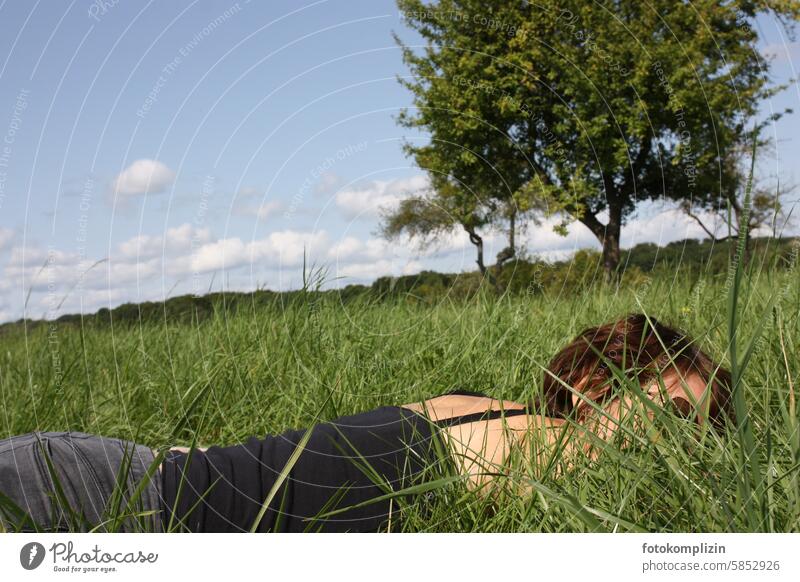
point(154, 149)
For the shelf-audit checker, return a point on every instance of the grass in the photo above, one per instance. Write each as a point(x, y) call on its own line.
point(261, 371)
point(308, 357)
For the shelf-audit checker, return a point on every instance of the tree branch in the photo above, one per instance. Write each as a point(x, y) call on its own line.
point(688, 211)
point(590, 221)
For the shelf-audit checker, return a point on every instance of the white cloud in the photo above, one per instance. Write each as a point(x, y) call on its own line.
point(278, 249)
point(246, 205)
point(328, 181)
point(42, 270)
point(369, 200)
point(6, 236)
point(85, 300)
point(36, 257)
point(372, 270)
point(143, 177)
point(117, 273)
point(225, 253)
point(267, 209)
point(176, 240)
point(543, 239)
point(351, 248)
point(285, 248)
point(247, 191)
point(667, 226)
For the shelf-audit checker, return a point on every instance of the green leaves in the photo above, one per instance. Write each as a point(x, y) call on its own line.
point(562, 93)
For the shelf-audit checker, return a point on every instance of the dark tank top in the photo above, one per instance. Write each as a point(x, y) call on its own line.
point(345, 462)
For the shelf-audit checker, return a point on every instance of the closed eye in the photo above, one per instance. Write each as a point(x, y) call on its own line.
point(683, 407)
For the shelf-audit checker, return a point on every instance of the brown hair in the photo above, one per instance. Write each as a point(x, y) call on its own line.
point(641, 348)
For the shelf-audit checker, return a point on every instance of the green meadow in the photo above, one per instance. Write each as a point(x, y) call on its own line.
point(257, 369)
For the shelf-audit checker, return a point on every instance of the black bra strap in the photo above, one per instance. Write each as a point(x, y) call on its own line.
point(475, 416)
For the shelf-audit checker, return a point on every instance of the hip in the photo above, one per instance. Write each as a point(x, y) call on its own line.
point(73, 481)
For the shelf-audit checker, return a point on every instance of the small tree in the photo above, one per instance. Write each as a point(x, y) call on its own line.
point(447, 207)
point(720, 213)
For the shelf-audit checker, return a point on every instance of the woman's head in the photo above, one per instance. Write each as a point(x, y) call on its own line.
point(644, 350)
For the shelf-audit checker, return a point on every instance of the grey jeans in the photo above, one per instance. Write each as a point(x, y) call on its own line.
point(87, 470)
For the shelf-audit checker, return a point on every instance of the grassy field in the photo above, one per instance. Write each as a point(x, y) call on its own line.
point(260, 371)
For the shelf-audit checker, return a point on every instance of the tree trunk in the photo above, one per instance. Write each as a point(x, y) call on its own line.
point(510, 251)
point(611, 251)
point(608, 235)
point(475, 239)
point(512, 245)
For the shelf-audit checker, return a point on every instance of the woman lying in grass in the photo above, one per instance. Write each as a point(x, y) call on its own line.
point(353, 473)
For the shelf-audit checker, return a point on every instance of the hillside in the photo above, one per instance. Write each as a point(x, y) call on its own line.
point(689, 257)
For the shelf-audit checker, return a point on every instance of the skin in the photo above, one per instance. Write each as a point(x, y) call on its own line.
point(482, 448)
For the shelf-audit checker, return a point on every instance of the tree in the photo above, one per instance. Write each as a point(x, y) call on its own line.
point(584, 108)
point(440, 210)
point(723, 211)
point(478, 172)
point(447, 205)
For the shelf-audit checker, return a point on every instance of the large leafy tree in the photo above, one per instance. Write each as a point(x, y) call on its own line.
point(580, 108)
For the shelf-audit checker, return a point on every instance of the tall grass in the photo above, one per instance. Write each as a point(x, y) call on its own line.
point(263, 370)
